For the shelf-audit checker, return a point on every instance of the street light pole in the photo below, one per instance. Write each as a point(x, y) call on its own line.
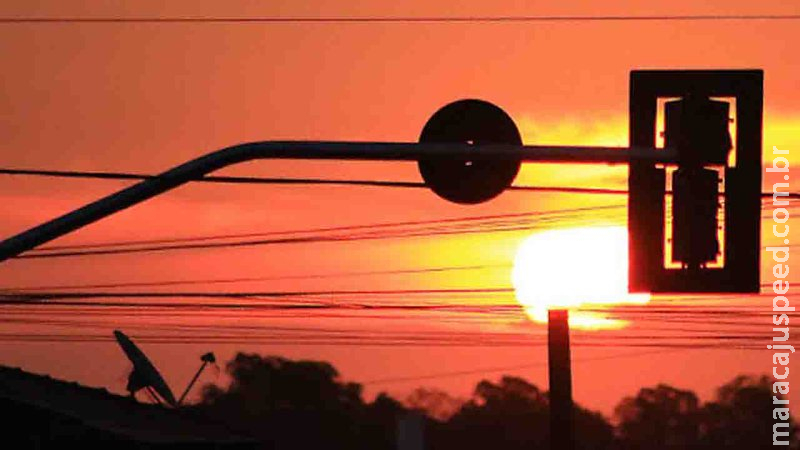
point(560, 378)
point(310, 150)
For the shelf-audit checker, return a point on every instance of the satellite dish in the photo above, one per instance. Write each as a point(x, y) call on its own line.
point(144, 374)
point(470, 180)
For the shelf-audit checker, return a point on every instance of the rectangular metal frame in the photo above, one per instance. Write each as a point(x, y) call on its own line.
point(742, 197)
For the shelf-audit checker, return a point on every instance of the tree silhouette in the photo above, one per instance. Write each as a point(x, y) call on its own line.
point(299, 404)
point(659, 418)
point(668, 418)
point(304, 404)
point(273, 383)
point(514, 414)
point(435, 403)
point(741, 416)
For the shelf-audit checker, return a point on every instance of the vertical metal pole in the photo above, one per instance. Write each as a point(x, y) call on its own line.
point(191, 383)
point(560, 377)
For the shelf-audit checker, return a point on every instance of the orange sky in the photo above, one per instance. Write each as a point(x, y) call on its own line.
point(144, 97)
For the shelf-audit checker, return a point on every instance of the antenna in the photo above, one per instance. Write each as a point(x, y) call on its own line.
point(144, 374)
point(207, 358)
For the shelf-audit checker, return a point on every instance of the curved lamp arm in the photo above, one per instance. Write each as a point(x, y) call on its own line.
point(376, 151)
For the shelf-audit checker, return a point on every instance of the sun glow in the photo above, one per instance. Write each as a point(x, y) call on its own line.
point(574, 267)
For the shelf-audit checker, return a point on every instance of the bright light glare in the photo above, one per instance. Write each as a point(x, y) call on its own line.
point(572, 267)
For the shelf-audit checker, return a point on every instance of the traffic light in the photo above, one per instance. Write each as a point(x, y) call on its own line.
point(697, 127)
point(694, 223)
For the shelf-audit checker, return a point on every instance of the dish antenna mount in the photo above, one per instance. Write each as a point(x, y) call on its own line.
point(145, 375)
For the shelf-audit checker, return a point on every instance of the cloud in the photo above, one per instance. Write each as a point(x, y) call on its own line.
point(782, 132)
point(609, 131)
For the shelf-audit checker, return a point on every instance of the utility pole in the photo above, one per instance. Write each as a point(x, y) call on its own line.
point(560, 378)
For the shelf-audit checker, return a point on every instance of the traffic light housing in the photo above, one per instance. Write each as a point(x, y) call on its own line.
point(694, 224)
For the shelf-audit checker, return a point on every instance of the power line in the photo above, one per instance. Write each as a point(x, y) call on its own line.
point(387, 230)
point(700, 326)
point(398, 19)
point(309, 181)
point(288, 240)
point(455, 221)
point(53, 304)
point(403, 379)
point(368, 341)
point(707, 320)
point(32, 314)
point(205, 179)
point(337, 300)
point(97, 250)
point(255, 279)
point(426, 228)
point(286, 181)
point(253, 294)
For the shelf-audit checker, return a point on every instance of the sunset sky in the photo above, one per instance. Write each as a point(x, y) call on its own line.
point(143, 97)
